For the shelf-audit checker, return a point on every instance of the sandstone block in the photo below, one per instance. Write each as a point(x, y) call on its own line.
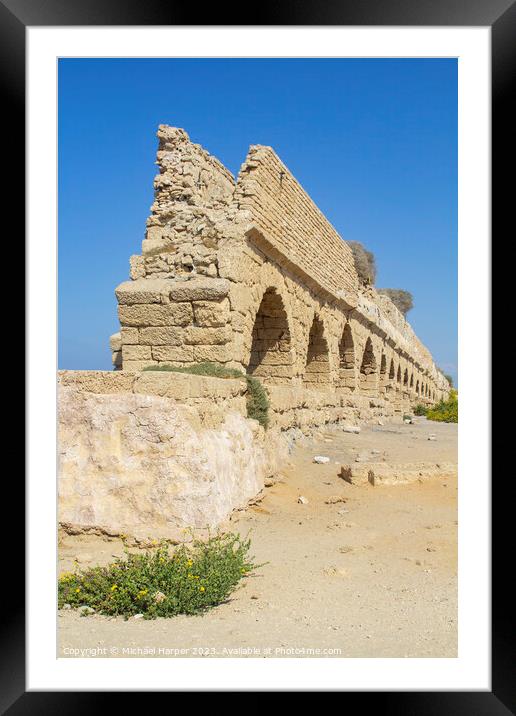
point(162, 336)
point(147, 290)
point(115, 342)
point(96, 381)
point(136, 267)
point(196, 335)
point(173, 353)
point(209, 289)
point(129, 336)
point(137, 365)
point(174, 314)
point(130, 353)
point(211, 313)
point(215, 354)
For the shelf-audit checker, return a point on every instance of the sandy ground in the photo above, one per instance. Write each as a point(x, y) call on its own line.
point(373, 576)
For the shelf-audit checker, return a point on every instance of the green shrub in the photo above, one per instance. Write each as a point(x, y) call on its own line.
point(447, 411)
point(420, 410)
point(365, 262)
point(403, 300)
point(158, 584)
point(257, 400)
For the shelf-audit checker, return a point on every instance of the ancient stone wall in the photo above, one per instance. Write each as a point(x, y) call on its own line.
point(249, 273)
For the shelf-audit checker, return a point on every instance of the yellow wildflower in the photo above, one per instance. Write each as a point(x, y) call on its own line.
point(202, 589)
point(114, 587)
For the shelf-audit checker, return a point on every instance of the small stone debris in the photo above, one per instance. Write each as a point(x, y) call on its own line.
point(321, 459)
point(138, 616)
point(159, 597)
point(432, 437)
point(67, 606)
point(86, 610)
point(302, 500)
point(335, 499)
point(380, 422)
point(351, 429)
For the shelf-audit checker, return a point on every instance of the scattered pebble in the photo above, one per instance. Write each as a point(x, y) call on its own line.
point(302, 500)
point(86, 610)
point(138, 616)
point(321, 459)
point(351, 429)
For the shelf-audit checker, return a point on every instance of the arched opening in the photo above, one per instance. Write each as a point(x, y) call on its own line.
point(347, 376)
point(405, 377)
point(317, 371)
point(271, 353)
point(392, 371)
point(398, 375)
point(368, 368)
point(417, 387)
point(411, 380)
point(383, 371)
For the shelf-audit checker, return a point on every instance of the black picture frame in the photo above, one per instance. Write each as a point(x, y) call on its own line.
point(500, 15)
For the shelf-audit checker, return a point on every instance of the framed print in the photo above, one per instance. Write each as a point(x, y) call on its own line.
point(258, 283)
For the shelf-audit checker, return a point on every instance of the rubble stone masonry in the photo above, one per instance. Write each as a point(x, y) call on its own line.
point(248, 273)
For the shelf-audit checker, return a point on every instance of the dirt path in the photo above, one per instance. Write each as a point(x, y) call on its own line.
point(374, 576)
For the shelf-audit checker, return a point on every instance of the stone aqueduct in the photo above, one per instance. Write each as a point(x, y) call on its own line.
point(250, 274)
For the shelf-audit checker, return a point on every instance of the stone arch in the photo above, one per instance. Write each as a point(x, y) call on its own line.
point(405, 378)
point(317, 368)
point(417, 387)
point(271, 349)
point(392, 370)
point(347, 373)
point(411, 381)
point(398, 375)
point(368, 367)
point(383, 370)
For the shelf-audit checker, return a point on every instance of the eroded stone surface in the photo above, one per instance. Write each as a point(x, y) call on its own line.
point(145, 465)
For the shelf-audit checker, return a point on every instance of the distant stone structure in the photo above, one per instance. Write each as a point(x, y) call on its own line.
point(250, 274)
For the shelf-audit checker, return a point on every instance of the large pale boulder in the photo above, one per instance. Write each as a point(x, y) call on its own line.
point(145, 466)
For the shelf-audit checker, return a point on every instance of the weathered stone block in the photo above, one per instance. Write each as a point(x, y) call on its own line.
point(217, 354)
point(211, 313)
point(115, 342)
point(136, 352)
point(144, 315)
point(146, 290)
point(129, 336)
point(195, 335)
point(162, 336)
point(173, 353)
point(199, 289)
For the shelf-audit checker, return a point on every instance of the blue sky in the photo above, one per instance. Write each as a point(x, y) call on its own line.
point(374, 142)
